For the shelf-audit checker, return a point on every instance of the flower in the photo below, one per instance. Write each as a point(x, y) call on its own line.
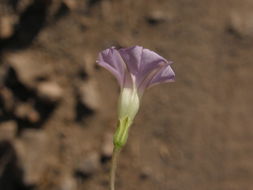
point(136, 69)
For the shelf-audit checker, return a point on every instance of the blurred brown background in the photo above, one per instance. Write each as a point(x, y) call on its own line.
point(58, 109)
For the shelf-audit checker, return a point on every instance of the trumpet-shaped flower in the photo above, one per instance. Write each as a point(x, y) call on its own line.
point(136, 69)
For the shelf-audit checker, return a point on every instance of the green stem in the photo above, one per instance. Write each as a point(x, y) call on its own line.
point(115, 156)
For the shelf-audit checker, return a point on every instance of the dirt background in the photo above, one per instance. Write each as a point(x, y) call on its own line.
point(58, 109)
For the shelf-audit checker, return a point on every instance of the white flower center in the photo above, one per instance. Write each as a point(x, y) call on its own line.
point(129, 103)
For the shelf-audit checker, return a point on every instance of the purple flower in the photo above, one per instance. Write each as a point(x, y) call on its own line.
point(136, 69)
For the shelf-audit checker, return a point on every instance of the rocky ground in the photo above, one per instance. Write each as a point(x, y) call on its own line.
point(58, 109)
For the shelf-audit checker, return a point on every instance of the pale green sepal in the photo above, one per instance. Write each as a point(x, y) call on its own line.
point(121, 134)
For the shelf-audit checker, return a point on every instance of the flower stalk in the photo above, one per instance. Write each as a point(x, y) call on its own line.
point(115, 155)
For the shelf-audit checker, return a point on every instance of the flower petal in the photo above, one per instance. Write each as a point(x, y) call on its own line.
point(132, 58)
point(165, 74)
point(151, 63)
point(112, 61)
point(141, 62)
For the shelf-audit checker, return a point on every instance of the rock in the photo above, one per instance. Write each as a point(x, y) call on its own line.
point(8, 130)
point(106, 9)
point(71, 4)
point(28, 66)
point(26, 111)
point(89, 165)
point(22, 5)
point(8, 167)
point(88, 95)
point(164, 152)
point(7, 99)
point(145, 173)
point(6, 26)
point(3, 71)
point(107, 146)
point(67, 182)
point(157, 16)
point(50, 91)
point(242, 23)
point(32, 152)
point(89, 63)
